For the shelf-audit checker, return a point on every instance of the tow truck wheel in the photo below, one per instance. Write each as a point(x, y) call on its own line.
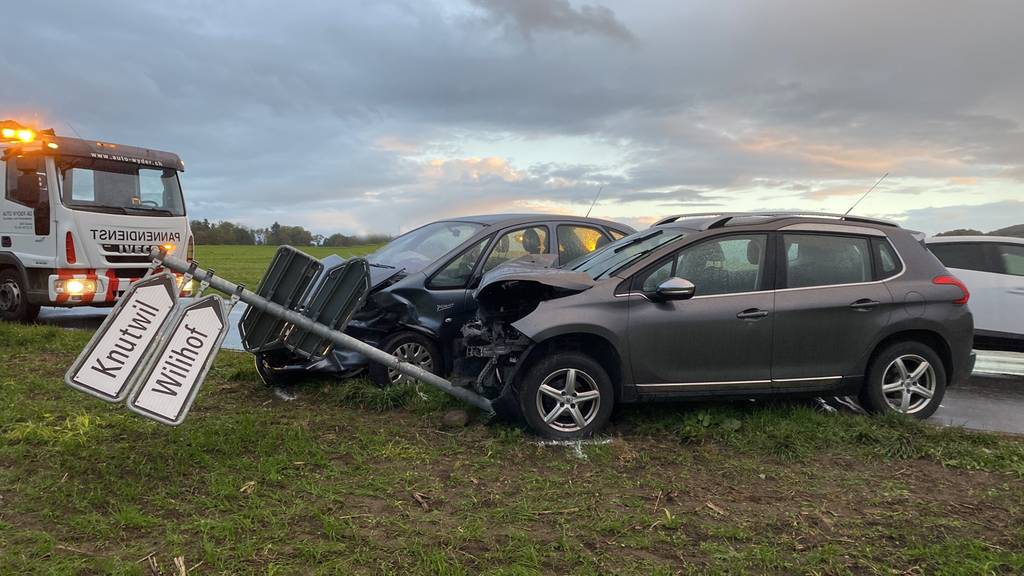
point(409, 347)
point(566, 396)
point(14, 304)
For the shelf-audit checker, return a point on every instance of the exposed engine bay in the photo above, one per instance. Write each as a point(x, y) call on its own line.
point(492, 349)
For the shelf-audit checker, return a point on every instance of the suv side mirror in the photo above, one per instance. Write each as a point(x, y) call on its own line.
point(675, 289)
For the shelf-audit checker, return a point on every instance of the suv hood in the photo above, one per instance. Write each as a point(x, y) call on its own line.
point(530, 277)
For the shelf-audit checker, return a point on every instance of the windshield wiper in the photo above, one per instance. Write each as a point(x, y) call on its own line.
point(94, 208)
point(160, 210)
point(638, 240)
point(379, 265)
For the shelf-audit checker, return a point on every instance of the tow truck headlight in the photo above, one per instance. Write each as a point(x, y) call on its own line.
point(75, 287)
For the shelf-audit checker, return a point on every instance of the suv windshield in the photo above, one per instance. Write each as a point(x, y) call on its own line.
point(601, 263)
point(419, 248)
point(119, 187)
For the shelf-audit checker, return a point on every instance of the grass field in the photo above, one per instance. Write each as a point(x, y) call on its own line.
point(349, 479)
point(246, 264)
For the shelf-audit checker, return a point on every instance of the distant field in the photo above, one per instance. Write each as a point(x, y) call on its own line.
point(351, 479)
point(246, 264)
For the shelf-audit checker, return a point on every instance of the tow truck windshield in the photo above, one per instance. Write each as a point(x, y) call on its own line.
point(417, 249)
point(119, 187)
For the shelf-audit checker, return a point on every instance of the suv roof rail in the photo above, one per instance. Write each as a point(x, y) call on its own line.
point(720, 219)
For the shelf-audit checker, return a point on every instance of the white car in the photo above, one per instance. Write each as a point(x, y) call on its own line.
point(992, 267)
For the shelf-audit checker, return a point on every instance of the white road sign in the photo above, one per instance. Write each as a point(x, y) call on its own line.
point(165, 390)
point(117, 348)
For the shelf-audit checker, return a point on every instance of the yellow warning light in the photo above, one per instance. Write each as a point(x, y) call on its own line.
point(22, 134)
point(169, 248)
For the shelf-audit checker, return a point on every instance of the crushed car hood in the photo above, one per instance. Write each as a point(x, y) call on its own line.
point(531, 270)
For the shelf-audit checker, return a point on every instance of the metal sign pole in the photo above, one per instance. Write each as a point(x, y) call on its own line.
point(338, 338)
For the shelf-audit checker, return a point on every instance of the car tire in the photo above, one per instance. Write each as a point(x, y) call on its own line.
point(14, 304)
point(551, 391)
point(905, 377)
point(410, 347)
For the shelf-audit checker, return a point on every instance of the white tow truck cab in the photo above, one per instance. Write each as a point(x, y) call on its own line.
point(79, 217)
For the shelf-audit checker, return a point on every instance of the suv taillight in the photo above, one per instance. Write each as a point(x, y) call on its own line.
point(190, 251)
point(954, 281)
point(69, 248)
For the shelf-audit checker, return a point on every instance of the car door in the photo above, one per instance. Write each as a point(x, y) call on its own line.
point(977, 265)
point(447, 304)
point(829, 307)
point(721, 337)
point(27, 212)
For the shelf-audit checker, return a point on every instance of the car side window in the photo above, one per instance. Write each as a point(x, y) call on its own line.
point(887, 262)
point(965, 256)
point(820, 260)
point(516, 244)
point(729, 265)
point(575, 241)
point(617, 234)
point(456, 274)
point(1013, 258)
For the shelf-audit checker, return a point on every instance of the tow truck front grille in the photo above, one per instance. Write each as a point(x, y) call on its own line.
point(126, 253)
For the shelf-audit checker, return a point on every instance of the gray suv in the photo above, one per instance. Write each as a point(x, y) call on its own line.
point(725, 305)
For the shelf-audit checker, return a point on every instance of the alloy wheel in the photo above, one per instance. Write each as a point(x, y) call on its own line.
point(908, 383)
point(414, 353)
point(568, 400)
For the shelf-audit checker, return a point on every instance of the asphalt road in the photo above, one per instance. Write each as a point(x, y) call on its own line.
point(993, 398)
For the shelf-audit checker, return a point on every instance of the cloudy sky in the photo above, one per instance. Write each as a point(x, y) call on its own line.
point(376, 116)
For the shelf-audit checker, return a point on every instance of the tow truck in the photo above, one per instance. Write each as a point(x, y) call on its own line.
point(78, 219)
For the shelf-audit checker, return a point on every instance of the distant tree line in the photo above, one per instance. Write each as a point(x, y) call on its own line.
point(1016, 231)
point(225, 232)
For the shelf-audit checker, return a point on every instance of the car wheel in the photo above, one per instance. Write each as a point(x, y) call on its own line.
point(566, 396)
point(416, 349)
point(14, 304)
point(907, 378)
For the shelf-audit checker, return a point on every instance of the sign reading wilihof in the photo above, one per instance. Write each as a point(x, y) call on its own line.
point(118, 347)
point(166, 387)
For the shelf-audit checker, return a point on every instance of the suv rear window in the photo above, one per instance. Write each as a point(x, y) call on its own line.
point(820, 260)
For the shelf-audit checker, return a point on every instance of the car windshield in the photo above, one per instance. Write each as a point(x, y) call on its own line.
point(119, 187)
point(603, 262)
point(417, 249)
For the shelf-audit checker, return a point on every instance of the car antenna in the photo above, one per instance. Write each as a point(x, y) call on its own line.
point(592, 204)
point(847, 213)
point(73, 130)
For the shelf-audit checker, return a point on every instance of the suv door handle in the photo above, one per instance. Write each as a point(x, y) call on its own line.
point(1018, 291)
point(752, 314)
point(864, 304)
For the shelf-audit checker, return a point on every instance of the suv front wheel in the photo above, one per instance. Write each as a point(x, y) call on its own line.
point(566, 396)
point(906, 377)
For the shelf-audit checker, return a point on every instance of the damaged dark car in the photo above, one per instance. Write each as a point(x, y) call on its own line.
point(721, 306)
point(422, 284)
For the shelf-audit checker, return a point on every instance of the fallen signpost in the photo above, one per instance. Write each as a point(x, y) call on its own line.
point(162, 376)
